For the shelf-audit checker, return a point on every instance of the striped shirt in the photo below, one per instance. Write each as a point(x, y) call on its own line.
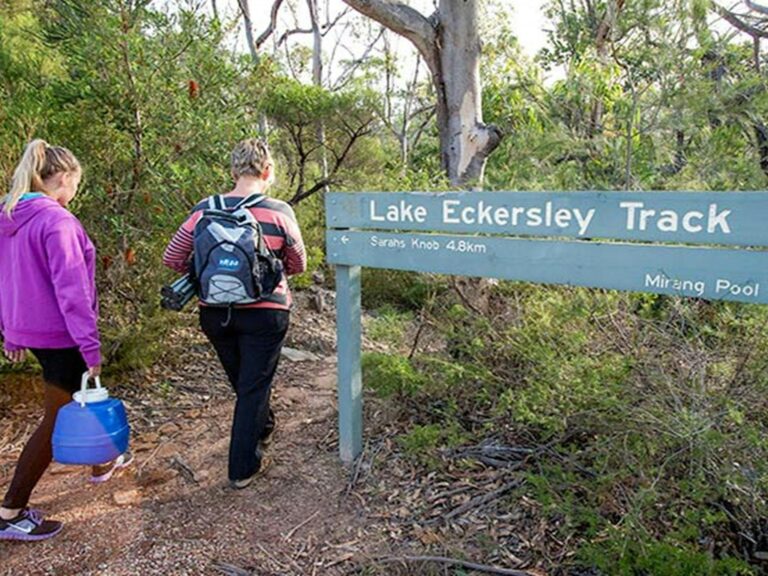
point(281, 233)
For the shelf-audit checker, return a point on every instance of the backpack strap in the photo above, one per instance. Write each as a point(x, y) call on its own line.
point(250, 201)
point(216, 203)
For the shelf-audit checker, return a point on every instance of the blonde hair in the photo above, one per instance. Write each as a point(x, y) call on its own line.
point(251, 158)
point(38, 163)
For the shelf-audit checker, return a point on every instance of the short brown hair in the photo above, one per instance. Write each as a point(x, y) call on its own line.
point(250, 158)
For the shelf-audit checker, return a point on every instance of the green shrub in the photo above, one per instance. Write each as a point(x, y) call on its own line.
point(406, 290)
point(390, 375)
point(389, 325)
point(423, 441)
point(634, 557)
point(315, 262)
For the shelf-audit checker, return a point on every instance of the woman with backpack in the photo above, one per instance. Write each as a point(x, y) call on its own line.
point(241, 246)
point(48, 306)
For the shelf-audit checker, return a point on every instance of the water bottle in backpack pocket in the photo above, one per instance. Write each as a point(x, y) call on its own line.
point(232, 262)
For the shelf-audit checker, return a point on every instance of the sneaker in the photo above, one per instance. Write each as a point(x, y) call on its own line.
point(269, 429)
point(245, 482)
point(104, 472)
point(29, 526)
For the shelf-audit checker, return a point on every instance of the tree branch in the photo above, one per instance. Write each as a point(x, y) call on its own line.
point(405, 21)
point(737, 22)
point(245, 11)
point(285, 35)
point(354, 135)
point(264, 36)
point(356, 63)
point(329, 24)
point(756, 7)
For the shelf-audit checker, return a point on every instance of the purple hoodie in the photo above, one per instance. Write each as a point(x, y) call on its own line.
point(47, 280)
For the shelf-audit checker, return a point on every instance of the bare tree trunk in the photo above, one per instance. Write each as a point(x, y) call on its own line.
point(137, 131)
point(761, 131)
point(630, 138)
point(245, 10)
point(465, 140)
point(603, 38)
point(317, 78)
point(449, 42)
point(759, 127)
point(410, 97)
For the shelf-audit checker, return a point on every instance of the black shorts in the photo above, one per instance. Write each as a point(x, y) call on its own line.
point(62, 367)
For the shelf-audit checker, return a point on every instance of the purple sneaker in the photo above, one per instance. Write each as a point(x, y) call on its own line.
point(104, 472)
point(29, 526)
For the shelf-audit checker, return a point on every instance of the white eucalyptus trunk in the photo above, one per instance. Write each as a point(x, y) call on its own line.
point(450, 43)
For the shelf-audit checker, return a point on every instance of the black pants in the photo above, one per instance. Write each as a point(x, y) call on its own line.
point(62, 371)
point(248, 343)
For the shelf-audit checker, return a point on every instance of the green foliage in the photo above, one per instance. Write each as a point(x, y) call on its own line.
point(315, 261)
point(662, 559)
point(151, 100)
point(552, 351)
point(389, 325)
point(654, 407)
point(421, 443)
point(391, 375)
point(407, 290)
point(639, 397)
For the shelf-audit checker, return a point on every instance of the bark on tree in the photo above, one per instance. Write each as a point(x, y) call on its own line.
point(739, 22)
point(317, 79)
point(449, 42)
point(756, 7)
point(245, 10)
point(603, 37)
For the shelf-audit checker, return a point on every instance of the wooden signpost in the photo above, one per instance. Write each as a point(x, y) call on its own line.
point(699, 244)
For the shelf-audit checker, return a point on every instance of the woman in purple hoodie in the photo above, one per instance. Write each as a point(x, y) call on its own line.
point(47, 306)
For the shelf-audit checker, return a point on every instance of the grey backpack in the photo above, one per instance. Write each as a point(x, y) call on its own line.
point(232, 263)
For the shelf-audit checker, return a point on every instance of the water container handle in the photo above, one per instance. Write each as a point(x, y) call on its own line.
point(84, 386)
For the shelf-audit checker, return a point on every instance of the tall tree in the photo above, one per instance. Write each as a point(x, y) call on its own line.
point(756, 27)
point(449, 41)
point(317, 79)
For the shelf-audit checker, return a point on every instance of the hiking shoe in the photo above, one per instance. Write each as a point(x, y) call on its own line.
point(245, 482)
point(29, 526)
point(104, 472)
point(269, 429)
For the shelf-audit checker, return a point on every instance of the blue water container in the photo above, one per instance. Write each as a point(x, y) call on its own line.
point(92, 429)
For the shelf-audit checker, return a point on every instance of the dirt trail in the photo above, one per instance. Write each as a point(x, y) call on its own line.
point(173, 513)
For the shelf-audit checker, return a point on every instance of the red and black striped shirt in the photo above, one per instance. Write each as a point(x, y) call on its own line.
point(281, 233)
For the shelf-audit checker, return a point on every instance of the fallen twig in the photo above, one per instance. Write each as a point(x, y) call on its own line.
point(355, 472)
point(455, 562)
point(293, 530)
point(482, 500)
point(185, 469)
point(231, 569)
point(156, 450)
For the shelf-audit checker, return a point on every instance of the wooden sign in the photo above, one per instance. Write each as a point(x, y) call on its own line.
point(696, 244)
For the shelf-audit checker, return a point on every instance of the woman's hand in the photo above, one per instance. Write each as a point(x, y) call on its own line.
point(94, 371)
point(16, 355)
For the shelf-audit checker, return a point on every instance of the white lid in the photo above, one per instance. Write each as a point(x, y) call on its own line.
point(89, 395)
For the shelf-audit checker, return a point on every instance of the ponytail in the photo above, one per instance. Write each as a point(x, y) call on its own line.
point(27, 174)
point(39, 162)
